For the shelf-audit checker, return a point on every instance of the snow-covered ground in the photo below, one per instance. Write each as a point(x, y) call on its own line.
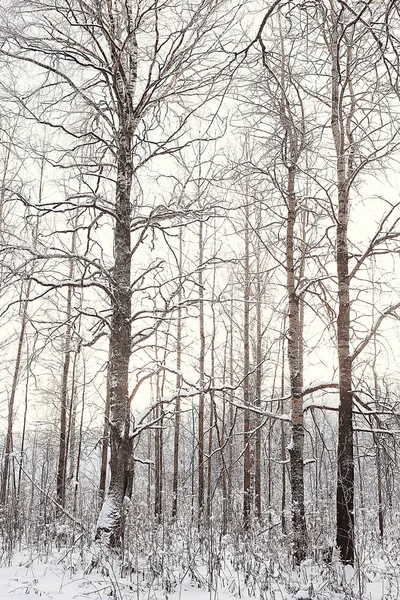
point(61, 579)
point(56, 582)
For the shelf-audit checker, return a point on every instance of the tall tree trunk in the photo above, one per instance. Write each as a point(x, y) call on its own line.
point(80, 440)
point(192, 470)
point(211, 426)
point(283, 439)
point(177, 423)
point(175, 479)
point(109, 526)
point(63, 450)
point(105, 439)
point(24, 419)
point(246, 382)
point(258, 387)
point(123, 85)
point(24, 322)
point(8, 447)
point(345, 453)
point(200, 490)
point(71, 430)
point(158, 462)
point(376, 437)
point(224, 469)
point(232, 417)
point(213, 409)
point(158, 443)
point(379, 484)
point(296, 391)
point(345, 457)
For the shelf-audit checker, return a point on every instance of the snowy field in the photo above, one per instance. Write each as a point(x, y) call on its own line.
point(55, 582)
point(29, 579)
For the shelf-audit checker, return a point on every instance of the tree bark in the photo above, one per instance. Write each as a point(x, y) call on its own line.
point(213, 423)
point(283, 440)
point(105, 439)
point(63, 450)
point(246, 382)
point(158, 444)
point(80, 440)
point(345, 453)
point(224, 468)
point(175, 477)
point(296, 383)
point(8, 448)
point(109, 526)
point(200, 490)
point(258, 388)
point(110, 518)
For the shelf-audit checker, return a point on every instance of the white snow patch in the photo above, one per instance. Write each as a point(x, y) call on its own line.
point(57, 582)
point(302, 594)
point(109, 513)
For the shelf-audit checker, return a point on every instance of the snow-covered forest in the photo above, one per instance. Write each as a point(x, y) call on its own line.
point(200, 299)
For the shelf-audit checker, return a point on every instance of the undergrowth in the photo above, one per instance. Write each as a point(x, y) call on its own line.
point(159, 560)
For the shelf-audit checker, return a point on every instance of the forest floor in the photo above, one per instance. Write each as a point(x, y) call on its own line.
point(56, 582)
point(63, 582)
point(63, 577)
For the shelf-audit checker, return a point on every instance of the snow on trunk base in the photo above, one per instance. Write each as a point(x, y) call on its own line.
point(109, 514)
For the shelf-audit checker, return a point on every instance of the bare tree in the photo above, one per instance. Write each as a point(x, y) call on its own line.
point(110, 44)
